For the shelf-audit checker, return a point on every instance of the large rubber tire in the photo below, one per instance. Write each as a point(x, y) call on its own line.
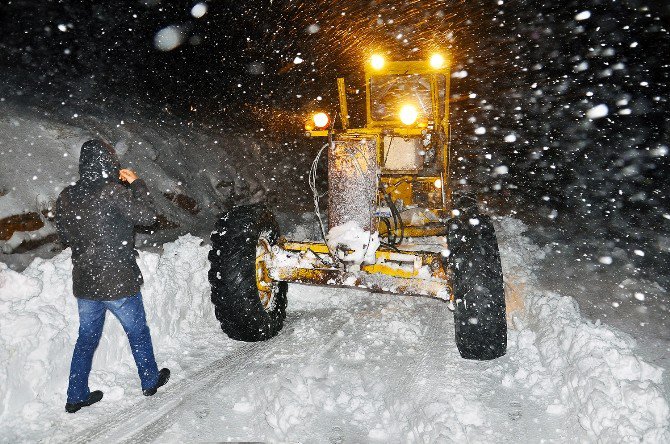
point(237, 303)
point(479, 316)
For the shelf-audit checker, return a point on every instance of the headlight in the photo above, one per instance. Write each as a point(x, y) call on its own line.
point(437, 61)
point(321, 120)
point(377, 61)
point(408, 114)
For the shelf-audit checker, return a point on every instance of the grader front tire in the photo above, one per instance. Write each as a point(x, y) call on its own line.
point(479, 317)
point(249, 307)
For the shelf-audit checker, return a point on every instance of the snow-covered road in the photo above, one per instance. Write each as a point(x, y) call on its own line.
point(349, 366)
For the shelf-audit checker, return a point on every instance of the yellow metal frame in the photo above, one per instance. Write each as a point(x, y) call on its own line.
point(264, 283)
point(391, 271)
point(383, 257)
point(344, 113)
point(402, 132)
point(377, 129)
point(412, 279)
point(421, 67)
point(440, 125)
point(405, 68)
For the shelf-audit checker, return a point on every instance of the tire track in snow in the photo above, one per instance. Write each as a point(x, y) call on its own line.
point(314, 353)
point(144, 421)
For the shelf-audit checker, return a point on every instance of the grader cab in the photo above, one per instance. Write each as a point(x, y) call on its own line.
point(393, 223)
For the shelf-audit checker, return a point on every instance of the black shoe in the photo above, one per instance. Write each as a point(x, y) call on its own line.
point(163, 378)
point(92, 399)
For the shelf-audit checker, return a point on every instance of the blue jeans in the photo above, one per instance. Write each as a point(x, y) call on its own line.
point(130, 312)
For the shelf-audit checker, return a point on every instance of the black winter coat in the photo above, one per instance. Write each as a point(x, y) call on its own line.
point(96, 217)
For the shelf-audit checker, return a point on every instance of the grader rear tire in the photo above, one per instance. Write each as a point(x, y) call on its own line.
point(245, 312)
point(479, 316)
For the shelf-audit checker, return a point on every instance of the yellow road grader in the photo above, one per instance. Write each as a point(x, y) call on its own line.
point(394, 222)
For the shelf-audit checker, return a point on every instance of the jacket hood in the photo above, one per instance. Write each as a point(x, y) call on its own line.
point(98, 161)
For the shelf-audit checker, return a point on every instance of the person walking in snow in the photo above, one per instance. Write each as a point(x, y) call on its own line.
point(95, 217)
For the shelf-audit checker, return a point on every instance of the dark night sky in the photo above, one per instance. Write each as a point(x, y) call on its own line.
point(251, 43)
point(534, 70)
point(254, 43)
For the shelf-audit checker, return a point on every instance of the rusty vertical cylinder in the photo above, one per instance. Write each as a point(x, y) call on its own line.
point(352, 182)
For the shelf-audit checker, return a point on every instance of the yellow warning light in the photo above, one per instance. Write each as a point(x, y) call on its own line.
point(377, 61)
point(437, 61)
point(408, 114)
point(321, 120)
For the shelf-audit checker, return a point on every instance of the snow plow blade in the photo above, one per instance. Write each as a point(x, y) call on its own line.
point(418, 273)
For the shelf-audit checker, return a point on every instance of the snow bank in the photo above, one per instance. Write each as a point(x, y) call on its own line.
point(576, 369)
point(193, 172)
point(615, 394)
point(40, 321)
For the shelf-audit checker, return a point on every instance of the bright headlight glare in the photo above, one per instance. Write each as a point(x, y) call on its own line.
point(437, 61)
point(377, 61)
point(408, 114)
point(438, 184)
point(320, 120)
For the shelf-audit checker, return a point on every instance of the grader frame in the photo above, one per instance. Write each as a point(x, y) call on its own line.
point(387, 180)
point(409, 268)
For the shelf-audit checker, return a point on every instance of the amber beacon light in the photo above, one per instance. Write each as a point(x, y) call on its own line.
point(321, 120)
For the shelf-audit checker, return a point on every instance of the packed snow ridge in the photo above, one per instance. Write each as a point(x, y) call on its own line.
point(614, 393)
point(358, 365)
point(192, 172)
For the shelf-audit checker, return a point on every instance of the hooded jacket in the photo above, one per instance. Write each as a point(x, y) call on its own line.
point(96, 218)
